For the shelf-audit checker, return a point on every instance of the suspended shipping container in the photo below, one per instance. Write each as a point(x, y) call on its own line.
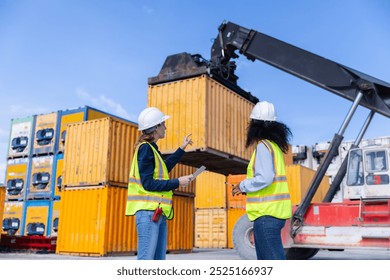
point(216, 116)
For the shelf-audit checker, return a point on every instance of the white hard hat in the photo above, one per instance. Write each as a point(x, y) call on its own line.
point(263, 111)
point(150, 117)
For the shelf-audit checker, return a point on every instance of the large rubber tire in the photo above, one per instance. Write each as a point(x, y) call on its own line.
point(300, 253)
point(243, 241)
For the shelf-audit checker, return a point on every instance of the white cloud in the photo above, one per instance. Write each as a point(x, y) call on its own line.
point(104, 103)
point(23, 111)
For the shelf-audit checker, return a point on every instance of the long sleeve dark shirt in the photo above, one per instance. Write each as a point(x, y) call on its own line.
point(146, 168)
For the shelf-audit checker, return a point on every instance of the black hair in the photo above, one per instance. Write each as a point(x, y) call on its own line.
point(268, 130)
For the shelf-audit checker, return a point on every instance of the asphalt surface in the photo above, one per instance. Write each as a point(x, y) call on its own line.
point(203, 254)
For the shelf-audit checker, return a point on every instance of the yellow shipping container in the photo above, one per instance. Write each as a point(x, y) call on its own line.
point(41, 181)
point(99, 152)
point(12, 217)
point(181, 227)
point(182, 170)
point(71, 116)
point(2, 200)
point(210, 190)
point(233, 214)
point(16, 178)
point(216, 116)
point(92, 222)
point(211, 228)
point(299, 178)
point(37, 217)
point(55, 218)
point(45, 134)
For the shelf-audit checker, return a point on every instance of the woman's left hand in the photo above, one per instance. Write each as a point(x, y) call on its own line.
point(187, 141)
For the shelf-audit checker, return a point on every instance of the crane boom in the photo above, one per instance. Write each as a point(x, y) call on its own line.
point(329, 75)
point(346, 82)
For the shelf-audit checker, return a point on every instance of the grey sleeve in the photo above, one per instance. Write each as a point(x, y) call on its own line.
point(264, 171)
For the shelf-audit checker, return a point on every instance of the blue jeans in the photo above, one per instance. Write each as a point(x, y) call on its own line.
point(268, 240)
point(152, 236)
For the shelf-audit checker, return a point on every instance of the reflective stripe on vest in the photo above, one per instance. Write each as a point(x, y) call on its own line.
point(140, 199)
point(273, 200)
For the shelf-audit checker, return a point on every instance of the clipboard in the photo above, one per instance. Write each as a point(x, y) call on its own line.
point(197, 172)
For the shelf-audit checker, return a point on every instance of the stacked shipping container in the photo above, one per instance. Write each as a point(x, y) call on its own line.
point(34, 171)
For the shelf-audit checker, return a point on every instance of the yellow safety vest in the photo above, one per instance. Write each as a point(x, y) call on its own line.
point(273, 200)
point(140, 199)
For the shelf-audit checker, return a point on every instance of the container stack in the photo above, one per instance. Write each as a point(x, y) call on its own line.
point(95, 174)
point(34, 171)
point(210, 211)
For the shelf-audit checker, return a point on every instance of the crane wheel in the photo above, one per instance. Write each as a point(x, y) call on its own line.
point(243, 240)
point(300, 253)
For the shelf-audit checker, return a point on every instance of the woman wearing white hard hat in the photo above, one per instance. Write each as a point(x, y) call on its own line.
point(150, 188)
point(268, 202)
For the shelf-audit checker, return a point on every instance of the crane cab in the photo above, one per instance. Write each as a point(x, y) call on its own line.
point(368, 173)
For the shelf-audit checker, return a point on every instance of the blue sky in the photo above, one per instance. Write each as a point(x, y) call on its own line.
point(62, 54)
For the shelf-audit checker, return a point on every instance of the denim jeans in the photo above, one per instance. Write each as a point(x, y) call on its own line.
point(152, 236)
point(268, 240)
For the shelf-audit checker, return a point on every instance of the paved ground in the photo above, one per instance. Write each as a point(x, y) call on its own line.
point(208, 254)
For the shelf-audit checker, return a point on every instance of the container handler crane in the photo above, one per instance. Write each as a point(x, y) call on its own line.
point(362, 219)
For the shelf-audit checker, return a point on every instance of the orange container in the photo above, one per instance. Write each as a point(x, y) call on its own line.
point(181, 227)
point(233, 214)
point(211, 228)
point(99, 152)
point(210, 190)
point(237, 201)
point(92, 222)
point(216, 116)
point(36, 219)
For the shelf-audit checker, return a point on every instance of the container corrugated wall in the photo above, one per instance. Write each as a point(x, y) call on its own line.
point(211, 228)
point(2, 200)
point(92, 222)
point(210, 190)
point(183, 170)
point(299, 178)
point(99, 152)
point(216, 116)
point(233, 214)
point(181, 227)
point(237, 201)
